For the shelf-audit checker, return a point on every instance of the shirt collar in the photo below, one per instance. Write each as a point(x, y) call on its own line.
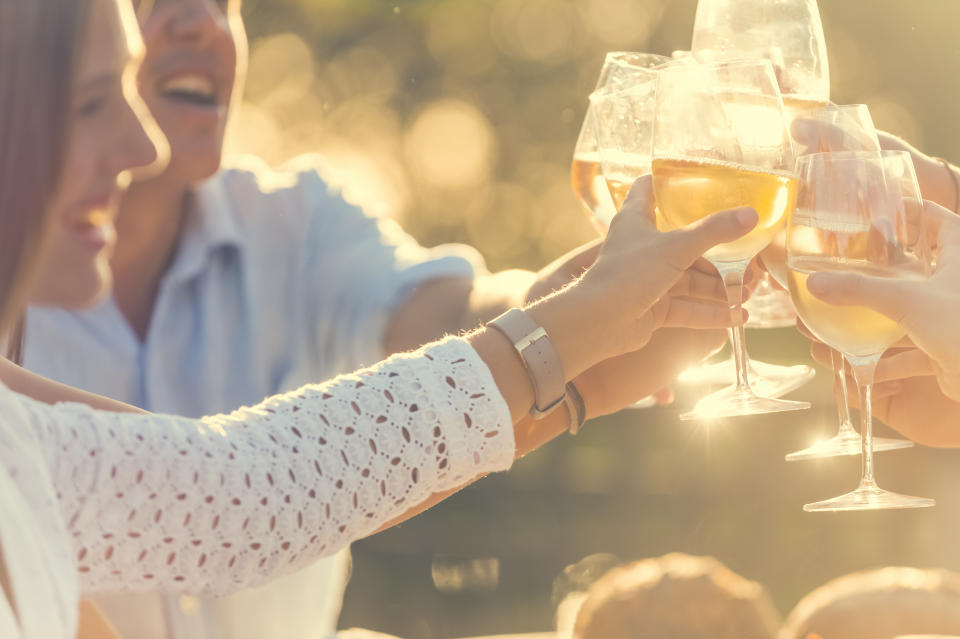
point(209, 227)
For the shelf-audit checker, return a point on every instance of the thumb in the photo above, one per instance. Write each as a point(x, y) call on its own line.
point(639, 203)
point(690, 243)
point(887, 295)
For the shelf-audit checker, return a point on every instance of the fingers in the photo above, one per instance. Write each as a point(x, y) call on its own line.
point(816, 136)
point(886, 295)
point(639, 204)
point(678, 312)
point(689, 244)
point(903, 365)
point(698, 285)
point(664, 396)
point(944, 225)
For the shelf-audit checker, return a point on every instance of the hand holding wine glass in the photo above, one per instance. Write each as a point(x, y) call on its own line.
point(926, 310)
point(857, 213)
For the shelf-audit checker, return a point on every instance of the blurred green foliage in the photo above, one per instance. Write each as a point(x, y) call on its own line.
point(458, 117)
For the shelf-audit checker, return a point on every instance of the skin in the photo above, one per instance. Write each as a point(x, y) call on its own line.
point(108, 139)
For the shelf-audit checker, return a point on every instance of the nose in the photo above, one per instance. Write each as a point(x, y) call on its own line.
point(195, 20)
point(139, 142)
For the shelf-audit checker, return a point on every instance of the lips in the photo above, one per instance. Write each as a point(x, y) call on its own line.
point(192, 87)
point(92, 222)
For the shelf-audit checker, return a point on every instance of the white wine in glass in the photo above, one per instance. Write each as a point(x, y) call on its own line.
point(857, 213)
point(620, 69)
point(720, 141)
point(847, 127)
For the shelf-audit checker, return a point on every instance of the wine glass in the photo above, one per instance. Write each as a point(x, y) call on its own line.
point(720, 141)
point(847, 127)
point(620, 69)
point(857, 212)
point(789, 33)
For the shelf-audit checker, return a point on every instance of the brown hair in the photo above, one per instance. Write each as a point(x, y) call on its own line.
point(879, 604)
point(676, 596)
point(39, 46)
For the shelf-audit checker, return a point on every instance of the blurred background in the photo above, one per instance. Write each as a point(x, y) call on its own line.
point(458, 118)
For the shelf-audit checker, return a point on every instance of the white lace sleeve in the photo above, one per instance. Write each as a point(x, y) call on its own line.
point(212, 505)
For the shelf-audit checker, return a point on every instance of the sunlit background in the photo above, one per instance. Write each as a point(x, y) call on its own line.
point(458, 117)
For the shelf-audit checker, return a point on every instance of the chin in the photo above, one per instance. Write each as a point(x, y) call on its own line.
point(77, 293)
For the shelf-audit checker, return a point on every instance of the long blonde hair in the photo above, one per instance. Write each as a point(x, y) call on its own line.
point(40, 44)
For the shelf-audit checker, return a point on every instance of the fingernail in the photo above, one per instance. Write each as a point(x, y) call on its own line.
point(747, 218)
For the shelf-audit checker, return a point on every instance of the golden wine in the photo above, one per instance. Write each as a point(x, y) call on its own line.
point(852, 330)
point(687, 191)
point(591, 189)
point(619, 188)
point(775, 258)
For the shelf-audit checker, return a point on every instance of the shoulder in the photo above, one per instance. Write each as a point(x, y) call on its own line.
point(252, 187)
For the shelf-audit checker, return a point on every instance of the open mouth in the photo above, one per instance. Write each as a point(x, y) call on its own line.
point(191, 88)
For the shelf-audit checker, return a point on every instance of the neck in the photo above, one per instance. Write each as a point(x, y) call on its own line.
point(148, 229)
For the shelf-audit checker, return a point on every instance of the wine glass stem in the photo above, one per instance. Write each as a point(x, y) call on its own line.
point(732, 274)
point(863, 370)
point(840, 392)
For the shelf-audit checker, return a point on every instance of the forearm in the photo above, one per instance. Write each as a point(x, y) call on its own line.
point(448, 306)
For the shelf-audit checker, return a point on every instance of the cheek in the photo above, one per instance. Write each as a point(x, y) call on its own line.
point(78, 168)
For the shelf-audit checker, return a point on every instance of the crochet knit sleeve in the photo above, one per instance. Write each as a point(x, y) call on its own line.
point(156, 502)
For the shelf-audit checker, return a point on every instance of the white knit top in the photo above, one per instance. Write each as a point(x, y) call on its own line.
point(135, 502)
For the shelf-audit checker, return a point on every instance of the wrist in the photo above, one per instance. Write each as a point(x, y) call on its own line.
point(571, 321)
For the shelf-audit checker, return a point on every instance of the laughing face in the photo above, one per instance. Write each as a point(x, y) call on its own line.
point(109, 136)
point(195, 51)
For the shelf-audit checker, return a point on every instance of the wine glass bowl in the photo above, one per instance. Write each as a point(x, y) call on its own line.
point(620, 69)
point(788, 33)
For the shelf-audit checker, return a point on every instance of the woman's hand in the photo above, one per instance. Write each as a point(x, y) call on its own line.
point(641, 281)
point(927, 309)
point(907, 397)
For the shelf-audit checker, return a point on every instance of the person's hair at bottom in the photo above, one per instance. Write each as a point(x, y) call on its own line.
point(676, 596)
point(879, 604)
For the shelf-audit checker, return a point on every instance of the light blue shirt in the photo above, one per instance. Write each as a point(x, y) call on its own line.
point(277, 282)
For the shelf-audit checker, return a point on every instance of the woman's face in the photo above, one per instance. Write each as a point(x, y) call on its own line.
point(108, 138)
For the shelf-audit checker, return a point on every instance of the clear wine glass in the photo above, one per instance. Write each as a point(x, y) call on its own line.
point(620, 69)
point(857, 212)
point(789, 33)
point(847, 127)
point(720, 141)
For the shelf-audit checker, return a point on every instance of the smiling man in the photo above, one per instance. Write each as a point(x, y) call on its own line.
point(236, 283)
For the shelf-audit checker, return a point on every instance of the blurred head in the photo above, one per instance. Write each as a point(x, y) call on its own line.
point(196, 52)
point(43, 45)
point(879, 604)
point(106, 139)
point(676, 596)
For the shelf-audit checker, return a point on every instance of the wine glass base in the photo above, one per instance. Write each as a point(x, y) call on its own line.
point(731, 402)
point(846, 443)
point(787, 379)
point(869, 497)
point(767, 380)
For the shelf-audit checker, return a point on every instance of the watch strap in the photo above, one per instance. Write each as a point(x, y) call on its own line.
point(539, 357)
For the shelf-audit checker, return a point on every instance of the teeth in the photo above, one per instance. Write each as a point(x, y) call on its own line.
point(191, 84)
